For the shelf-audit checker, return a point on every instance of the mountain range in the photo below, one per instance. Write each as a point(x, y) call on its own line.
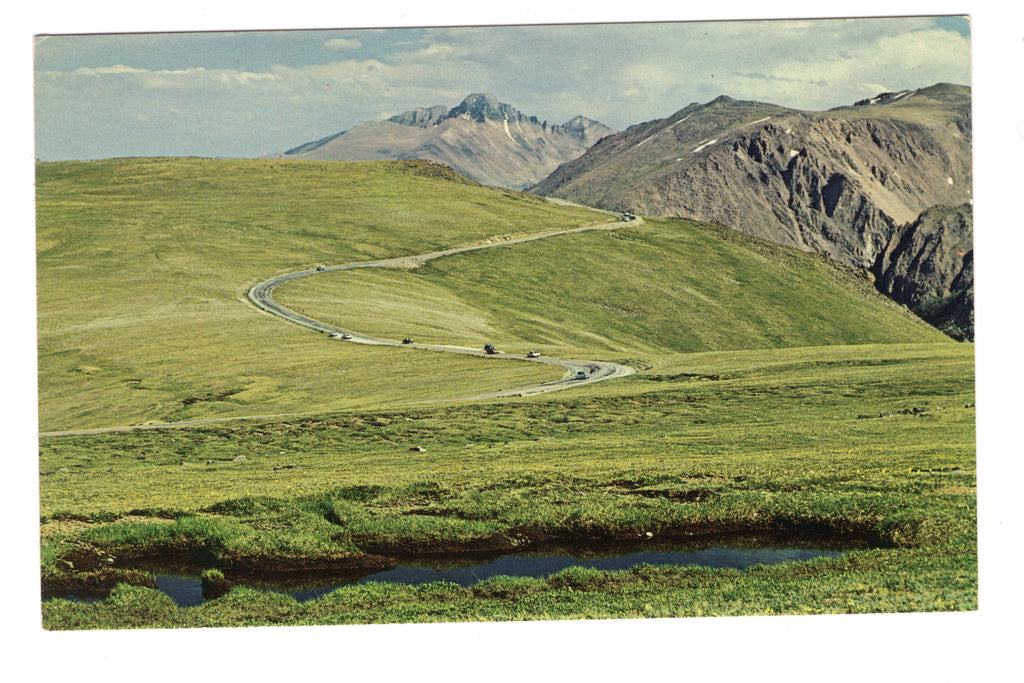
point(484, 139)
point(882, 186)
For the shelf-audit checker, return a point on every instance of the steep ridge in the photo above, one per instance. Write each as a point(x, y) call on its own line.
point(841, 182)
point(929, 267)
point(484, 139)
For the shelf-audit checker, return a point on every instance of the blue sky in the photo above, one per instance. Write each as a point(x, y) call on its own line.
point(250, 93)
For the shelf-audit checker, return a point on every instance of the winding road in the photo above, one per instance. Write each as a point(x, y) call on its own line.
point(260, 296)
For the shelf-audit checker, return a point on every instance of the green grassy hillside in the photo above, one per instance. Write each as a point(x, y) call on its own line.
point(143, 265)
point(668, 286)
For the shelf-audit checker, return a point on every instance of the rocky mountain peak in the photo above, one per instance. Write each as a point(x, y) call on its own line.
point(578, 123)
point(483, 106)
point(587, 131)
point(421, 116)
point(482, 138)
point(883, 98)
point(481, 102)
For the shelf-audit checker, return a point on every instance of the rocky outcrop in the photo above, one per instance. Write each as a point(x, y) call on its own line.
point(929, 266)
point(486, 140)
point(421, 116)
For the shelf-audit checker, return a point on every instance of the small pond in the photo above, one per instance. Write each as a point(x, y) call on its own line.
point(185, 587)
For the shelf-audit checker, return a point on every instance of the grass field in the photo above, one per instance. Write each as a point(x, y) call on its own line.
point(774, 393)
point(143, 265)
point(668, 286)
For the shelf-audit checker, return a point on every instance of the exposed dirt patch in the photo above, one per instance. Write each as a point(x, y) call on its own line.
point(682, 375)
point(677, 495)
point(212, 396)
point(404, 548)
point(93, 584)
point(83, 559)
point(957, 491)
point(269, 564)
point(915, 411)
point(534, 540)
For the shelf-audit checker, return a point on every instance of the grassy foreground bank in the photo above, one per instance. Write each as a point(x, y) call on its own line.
point(875, 441)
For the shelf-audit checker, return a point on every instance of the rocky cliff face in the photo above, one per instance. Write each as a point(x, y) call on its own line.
point(482, 138)
point(840, 182)
point(929, 266)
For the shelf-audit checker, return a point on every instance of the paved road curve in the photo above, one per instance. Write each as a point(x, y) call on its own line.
point(260, 295)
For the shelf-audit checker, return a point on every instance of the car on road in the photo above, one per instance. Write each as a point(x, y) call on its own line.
point(489, 348)
point(533, 354)
point(320, 269)
point(581, 374)
point(407, 341)
point(346, 336)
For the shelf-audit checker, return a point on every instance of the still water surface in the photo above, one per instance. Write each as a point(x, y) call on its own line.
point(186, 591)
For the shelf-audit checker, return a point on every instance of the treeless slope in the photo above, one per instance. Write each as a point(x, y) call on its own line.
point(142, 266)
point(667, 286)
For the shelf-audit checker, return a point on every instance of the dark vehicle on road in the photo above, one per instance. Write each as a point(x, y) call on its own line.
point(407, 341)
point(489, 348)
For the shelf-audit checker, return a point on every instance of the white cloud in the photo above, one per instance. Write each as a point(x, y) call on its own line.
point(117, 69)
point(343, 44)
point(180, 79)
point(432, 51)
point(824, 76)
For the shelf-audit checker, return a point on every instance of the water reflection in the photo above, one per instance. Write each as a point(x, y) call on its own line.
point(186, 590)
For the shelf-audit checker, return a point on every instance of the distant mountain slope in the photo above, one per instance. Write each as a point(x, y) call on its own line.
point(840, 182)
point(482, 138)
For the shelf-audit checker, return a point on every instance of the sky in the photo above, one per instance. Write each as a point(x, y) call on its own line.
point(251, 93)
